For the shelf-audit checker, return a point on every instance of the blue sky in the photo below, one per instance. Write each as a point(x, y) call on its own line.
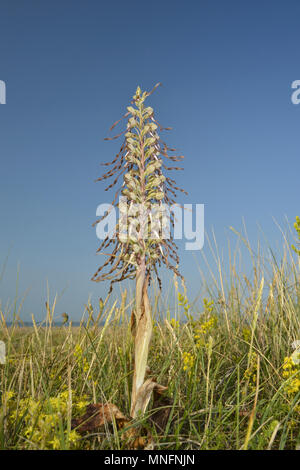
point(70, 69)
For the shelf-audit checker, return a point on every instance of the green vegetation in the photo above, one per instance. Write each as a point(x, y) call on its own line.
point(231, 368)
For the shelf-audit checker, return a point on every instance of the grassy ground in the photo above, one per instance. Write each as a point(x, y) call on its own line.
point(230, 370)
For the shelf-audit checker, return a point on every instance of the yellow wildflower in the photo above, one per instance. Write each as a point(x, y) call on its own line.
point(188, 361)
point(291, 372)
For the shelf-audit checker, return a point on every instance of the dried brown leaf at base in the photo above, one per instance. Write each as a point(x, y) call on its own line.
point(97, 415)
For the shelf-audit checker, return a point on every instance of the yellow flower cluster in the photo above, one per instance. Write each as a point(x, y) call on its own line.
point(208, 306)
point(44, 422)
point(72, 438)
point(297, 228)
point(246, 334)
point(206, 327)
point(7, 396)
point(183, 302)
point(188, 362)
point(250, 374)
point(80, 358)
point(291, 372)
point(174, 323)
